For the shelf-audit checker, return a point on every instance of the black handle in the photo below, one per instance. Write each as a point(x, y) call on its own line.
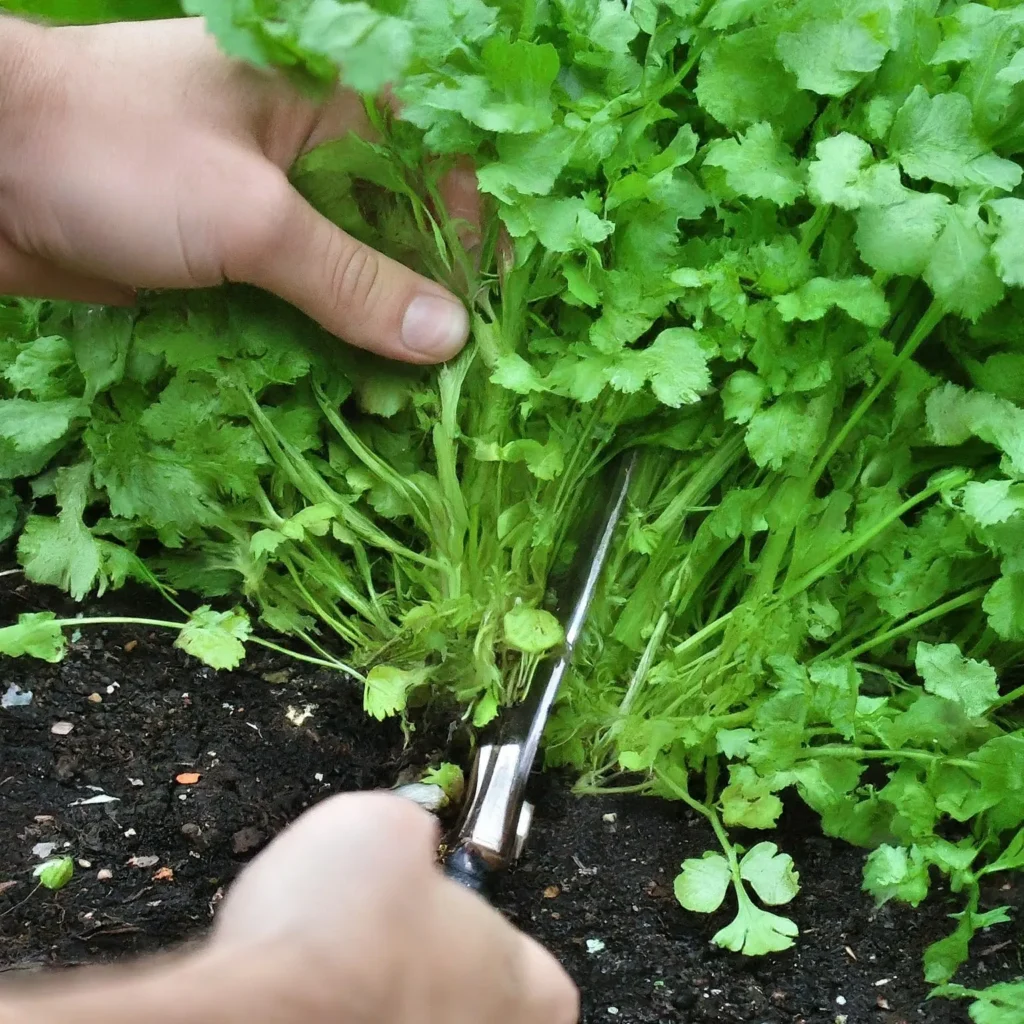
point(470, 870)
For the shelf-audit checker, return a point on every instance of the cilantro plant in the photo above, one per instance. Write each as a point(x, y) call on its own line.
point(776, 246)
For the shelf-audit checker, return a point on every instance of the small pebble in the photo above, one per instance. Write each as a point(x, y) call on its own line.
point(840, 1000)
point(610, 819)
point(94, 698)
point(104, 875)
point(85, 863)
point(61, 728)
point(595, 946)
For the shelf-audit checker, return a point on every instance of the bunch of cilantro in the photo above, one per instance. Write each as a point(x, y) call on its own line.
point(777, 247)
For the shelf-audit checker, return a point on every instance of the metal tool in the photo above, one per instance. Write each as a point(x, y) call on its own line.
point(496, 819)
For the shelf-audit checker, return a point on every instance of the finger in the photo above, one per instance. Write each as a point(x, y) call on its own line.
point(361, 296)
point(32, 277)
point(462, 202)
point(343, 114)
point(549, 994)
point(335, 857)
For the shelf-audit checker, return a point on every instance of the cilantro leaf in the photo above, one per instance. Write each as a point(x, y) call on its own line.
point(216, 638)
point(770, 873)
point(703, 883)
point(947, 673)
point(36, 634)
point(388, 688)
point(758, 165)
point(756, 932)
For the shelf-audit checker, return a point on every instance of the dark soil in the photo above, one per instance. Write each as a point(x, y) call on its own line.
point(596, 870)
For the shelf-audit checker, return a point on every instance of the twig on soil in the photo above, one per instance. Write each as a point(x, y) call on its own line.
point(17, 906)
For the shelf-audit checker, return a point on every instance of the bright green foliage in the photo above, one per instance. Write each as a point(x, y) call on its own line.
point(56, 873)
point(777, 247)
point(703, 883)
point(216, 638)
point(998, 1004)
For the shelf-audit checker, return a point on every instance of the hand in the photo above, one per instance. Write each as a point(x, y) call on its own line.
point(137, 155)
point(344, 919)
point(349, 910)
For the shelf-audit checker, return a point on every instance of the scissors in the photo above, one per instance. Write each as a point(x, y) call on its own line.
point(496, 818)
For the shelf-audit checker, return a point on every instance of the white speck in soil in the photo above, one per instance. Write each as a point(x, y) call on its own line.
point(595, 946)
point(61, 728)
point(43, 850)
point(15, 697)
point(840, 1000)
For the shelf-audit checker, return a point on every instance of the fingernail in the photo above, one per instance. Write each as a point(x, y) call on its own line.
point(435, 326)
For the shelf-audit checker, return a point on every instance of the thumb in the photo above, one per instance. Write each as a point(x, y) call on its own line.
point(356, 293)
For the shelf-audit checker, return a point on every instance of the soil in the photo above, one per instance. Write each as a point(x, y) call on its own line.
point(595, 885)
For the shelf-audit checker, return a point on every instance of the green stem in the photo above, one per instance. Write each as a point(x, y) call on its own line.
point(338, 666)
point(865, 754)
point(928, 322)
point(910, 625)
point(865, 537)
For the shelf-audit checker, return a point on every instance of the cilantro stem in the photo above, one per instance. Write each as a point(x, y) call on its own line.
point(712, 816)
point(929, 321)
point(177, 627)
point(1009, 698)
point(962, 601)
point(710, 630)
point(117, 620)
point(868, 754)
point(332, 663)
point(870, 533)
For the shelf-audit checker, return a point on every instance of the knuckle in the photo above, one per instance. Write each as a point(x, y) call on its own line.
point(252, 236)
point(355, 272)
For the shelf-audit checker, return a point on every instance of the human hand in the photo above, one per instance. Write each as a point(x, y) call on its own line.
point(137, 155)
point(348, 915)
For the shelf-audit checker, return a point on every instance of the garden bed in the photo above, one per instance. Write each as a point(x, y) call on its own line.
point(595, 885)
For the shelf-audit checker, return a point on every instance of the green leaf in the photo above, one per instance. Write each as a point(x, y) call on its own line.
point(1008, 247)
point(993, 501)
point(960, 270)
point(675, 365)
point(702, 884)
point(836, 175)
point(756, 932)
point(943, 958)
point(858, 297)
point(33, 425)
point(947, 673)
point(758, 165)
point(832, 44)
point(36, 634)
point(216, 638)
point(748, 800)
point(1004, 605)
point(532, 630)
point(387, 689)
point(56, 873)
point(450, 778)
point(893, 872)
point(770, 873)
point(934, 137)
